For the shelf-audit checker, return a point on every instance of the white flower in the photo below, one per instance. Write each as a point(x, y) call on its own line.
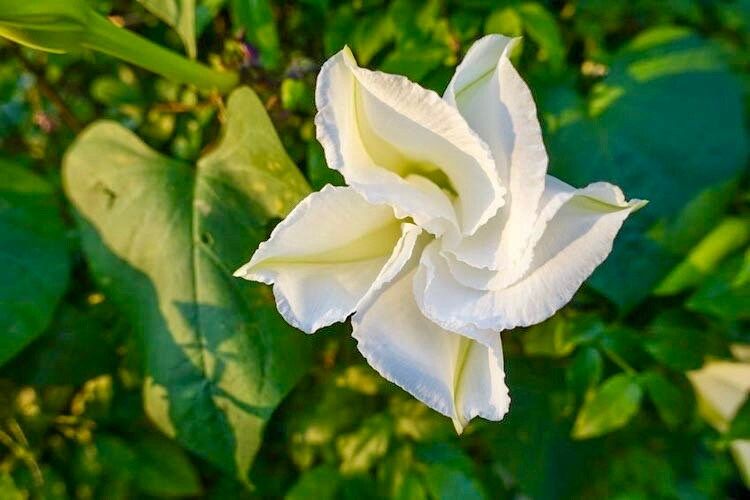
point(722, 387)
point(448, 232)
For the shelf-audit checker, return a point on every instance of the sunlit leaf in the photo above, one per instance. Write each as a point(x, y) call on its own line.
point(612, 406)
point(180, 15)
point(163, 238)
point(359, 449)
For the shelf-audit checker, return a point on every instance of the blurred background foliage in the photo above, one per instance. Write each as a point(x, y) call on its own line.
point(652, 95)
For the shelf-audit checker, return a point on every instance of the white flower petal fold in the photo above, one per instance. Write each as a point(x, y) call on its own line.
point(574, 234)
point(498, 105)
point(449, 230)
point(379, 130)
point(452, 374)
point(329, 252)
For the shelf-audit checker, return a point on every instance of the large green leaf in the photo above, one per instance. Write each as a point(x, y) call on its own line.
point(180, 15)
point(163, 238)
point(664, 124)
point(35, 268)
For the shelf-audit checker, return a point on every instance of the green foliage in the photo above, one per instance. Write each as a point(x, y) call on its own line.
point(133, 365)
point(610, 407)
point(34, 274)
point(213, 345)
point(179, 14)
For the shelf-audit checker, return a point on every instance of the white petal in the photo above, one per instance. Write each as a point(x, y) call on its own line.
point(452, 374)
point(741, 452)
point(497, 104)
point(574, 242)
point(722, 387)
point(327, 254)
point(379, 129)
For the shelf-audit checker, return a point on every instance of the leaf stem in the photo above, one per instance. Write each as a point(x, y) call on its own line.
point(105, 37)
point(617, 359)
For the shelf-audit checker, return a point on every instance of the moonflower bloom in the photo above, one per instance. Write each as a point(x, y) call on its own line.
point(448, 231)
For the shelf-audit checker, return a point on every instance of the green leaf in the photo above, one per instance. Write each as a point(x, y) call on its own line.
point(558, 336)
point(612, 406)
point(634, 130)
point(317, 168)
point(446, 483)
point(35, 269)
point(398, 478)
point(371, 34)
point(180, 15)
point(505, 21)
point(296, 95)
point(731, 234)
point(541, 27)
point(585, 370)
point(256, 18)
point(725, 294)
point(163, 470)
point(320, 483)
point(8, 489)
point(740, 427)
point(672, 402)
point(449, 473)
point(360, 449)
point(78, 346)
point(676, 340)
point(163, 237)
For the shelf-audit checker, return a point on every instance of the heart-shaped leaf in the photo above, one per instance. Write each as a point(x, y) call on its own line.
point(163, 238)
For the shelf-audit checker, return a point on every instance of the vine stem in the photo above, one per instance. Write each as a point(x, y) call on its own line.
point(617, 359)
point(105, 37)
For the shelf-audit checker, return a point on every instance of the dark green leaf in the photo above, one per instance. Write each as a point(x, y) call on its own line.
point(321, 483)
point(740, 427)
point(163, 469)
point(450, 473)
point(164, 238)
point(726, 294)
point(636, 131)
point(612, 406)
point(585, 370)
point(34, 274)
point(677, 340)
point(78, 346)
point(542, 27)
point(256, 18)
point(446, 483)
point(671, 401)
point(559, 335)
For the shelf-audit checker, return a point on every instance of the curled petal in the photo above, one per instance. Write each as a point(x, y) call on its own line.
point(382, 130)
point(498, 105)
point(575, 239)
point(452, 374)
point(327, 254)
